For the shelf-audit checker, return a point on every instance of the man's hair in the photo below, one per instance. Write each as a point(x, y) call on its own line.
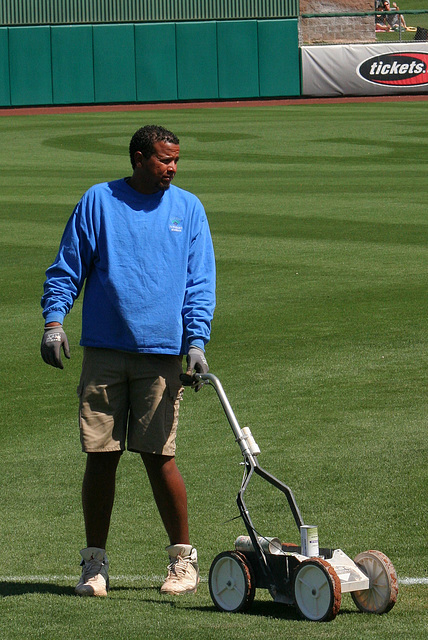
point(144, 139)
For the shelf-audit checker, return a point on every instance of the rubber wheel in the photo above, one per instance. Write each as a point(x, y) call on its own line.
point(382, 593)
point(317, 590)
point(231, 582)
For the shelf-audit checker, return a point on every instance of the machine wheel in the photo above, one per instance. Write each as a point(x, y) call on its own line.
point(231, 582)
point(317, 590)
point(382, 593)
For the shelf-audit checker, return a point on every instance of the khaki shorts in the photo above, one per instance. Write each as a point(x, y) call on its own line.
point(129, 398)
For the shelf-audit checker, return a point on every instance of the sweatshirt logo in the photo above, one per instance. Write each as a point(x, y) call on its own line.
point(409, 69)
point(175, 224)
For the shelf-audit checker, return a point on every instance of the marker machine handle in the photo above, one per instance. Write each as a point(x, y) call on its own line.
point(241, 438)
point(209, 378)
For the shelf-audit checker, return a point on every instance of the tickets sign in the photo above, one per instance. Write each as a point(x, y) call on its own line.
point(405, 69)
point(365, 69)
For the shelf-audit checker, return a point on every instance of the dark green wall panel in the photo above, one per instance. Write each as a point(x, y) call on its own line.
point(4, 69)
point(197, 60)
point(148, 62)
point(30, 65)
point(278, 58)
point(114, 63)
point(155, 53)
point(72, 64)
point(238, 59)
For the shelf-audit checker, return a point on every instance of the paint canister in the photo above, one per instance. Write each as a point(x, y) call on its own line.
point(309, 540)
point(269, 545)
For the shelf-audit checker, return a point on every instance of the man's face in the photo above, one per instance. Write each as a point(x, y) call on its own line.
point(158, 171)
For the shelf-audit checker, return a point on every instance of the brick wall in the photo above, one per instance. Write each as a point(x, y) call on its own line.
point(336, 30)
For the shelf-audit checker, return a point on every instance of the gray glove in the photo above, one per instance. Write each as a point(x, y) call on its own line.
point(53, 339)
point(196, 361)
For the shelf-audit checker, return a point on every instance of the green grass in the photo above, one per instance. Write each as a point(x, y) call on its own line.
point(320, 230)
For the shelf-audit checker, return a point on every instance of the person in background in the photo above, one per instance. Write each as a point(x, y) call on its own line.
point(394, 21)
point(380, 18)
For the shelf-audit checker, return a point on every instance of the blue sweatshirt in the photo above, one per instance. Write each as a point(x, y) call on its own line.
point(149, 267)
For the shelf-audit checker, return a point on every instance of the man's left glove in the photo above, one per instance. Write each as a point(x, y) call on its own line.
point(196, 361)
point(53, 339)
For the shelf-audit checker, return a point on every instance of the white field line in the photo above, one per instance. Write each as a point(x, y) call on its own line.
point(407, 581)
point(141, 579)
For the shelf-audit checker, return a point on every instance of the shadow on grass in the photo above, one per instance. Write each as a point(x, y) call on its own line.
point(20, 588)
point(278, 611)
point(265, 608)
point(259, 609)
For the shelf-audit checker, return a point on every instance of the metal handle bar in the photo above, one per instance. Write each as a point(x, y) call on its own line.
point(250, 460)
point(215, 382)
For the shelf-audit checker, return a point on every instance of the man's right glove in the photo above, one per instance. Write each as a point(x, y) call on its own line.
point(53, 339)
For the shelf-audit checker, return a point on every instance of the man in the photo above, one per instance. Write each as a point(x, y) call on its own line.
point(144, 251)
point(393, 21)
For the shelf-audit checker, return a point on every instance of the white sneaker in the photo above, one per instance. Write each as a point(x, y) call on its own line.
point(94, 579)
point(183, 570)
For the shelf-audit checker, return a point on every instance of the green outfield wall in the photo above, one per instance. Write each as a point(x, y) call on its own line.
point(148, 62)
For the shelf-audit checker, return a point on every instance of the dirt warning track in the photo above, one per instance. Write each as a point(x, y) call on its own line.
point(99, 108)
